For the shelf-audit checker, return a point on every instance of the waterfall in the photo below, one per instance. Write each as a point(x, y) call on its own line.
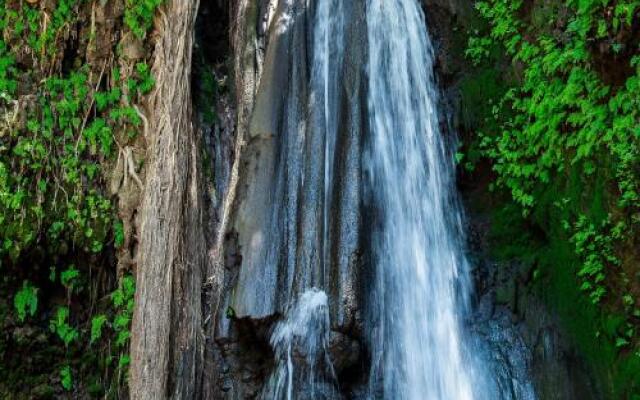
point(351, 221)
point(328, 54)
point(300, 341)
point(421, 273)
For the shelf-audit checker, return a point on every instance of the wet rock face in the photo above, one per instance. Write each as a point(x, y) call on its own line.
point(520, 331)
point(345, 352)
point(252, 361)
point(243, 363)
point(285, 236)
point(297, 212)
point(448, 22)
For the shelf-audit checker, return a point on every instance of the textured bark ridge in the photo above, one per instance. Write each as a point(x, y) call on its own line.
point(167, 343)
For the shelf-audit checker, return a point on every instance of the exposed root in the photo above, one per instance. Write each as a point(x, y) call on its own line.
point(131, 167)
point(145, 121)
point(124, 169)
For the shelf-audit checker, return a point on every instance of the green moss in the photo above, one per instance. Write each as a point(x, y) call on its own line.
point(481, 92)
point(556, 282)
point(592, 330)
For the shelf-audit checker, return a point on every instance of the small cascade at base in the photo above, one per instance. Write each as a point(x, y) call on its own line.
point(300, 343)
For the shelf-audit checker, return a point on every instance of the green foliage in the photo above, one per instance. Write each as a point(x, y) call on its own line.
point(41, 31)
point(112, 327)
point(26, 301)
point(62, 122)
point(122, 300)
point(138, 15)
point(478, 49)
point(566, 116)
point(50, 176)
point(8, 82)
point(123, 362)
point(564, 142)
point(118, 233)
point(69, 277)
point(66, 379)
point(97, 323)
point(143, 81)
point(59, 325)
point(595, 247)
point(46, 148)
point(53, 164)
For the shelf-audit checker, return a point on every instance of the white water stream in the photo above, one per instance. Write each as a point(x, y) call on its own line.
point(419, 294)
point(422, 275)
point(300, 345)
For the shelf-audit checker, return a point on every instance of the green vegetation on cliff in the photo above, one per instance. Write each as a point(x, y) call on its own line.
point(70, 115)
point(562, 133)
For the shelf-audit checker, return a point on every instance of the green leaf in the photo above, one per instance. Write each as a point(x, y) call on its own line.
point(118, 233)
point(66, 378)
point(69, 276)
point(60, 326)
point(124, 361)
point(122, 338)
point(621, 342)
point(97, 323)
point(26, 301)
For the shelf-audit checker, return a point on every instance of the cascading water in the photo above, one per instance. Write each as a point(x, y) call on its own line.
point(300, 343)
point(303, 366)
point(421, 273)
point(300, 230)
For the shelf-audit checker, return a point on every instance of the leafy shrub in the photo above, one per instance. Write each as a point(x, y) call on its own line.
point(61, 124)
point(564, 141)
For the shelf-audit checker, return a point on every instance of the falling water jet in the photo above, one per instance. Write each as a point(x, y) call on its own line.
point(300, 343)
point(416, 299)
point(421, 272)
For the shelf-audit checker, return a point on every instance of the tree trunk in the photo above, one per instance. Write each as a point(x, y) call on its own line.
point(167, 340)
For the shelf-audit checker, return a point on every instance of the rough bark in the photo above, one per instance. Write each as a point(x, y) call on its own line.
point(167, 341)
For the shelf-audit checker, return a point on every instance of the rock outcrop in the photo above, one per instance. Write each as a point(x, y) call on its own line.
point(520, 330)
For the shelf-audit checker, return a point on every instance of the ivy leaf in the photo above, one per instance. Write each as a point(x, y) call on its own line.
point(69, 276)
point(26, 301)
point(621, 342)
point(66, 378)
point(124, 361)
point(97, 323)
